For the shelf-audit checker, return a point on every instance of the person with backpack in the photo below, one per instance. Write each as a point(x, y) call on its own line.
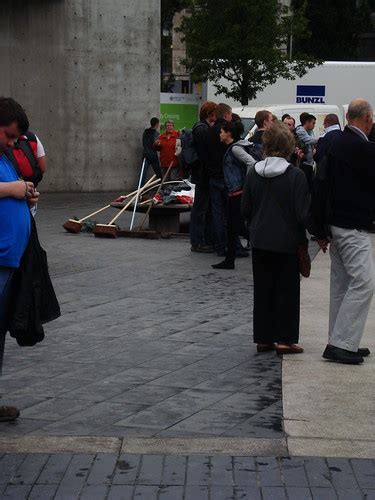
point(200, 226)
point(28, 157)
point(236, 163)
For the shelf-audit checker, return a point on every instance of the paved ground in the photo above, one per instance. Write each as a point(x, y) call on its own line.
point(114, 477)
point(151, 342)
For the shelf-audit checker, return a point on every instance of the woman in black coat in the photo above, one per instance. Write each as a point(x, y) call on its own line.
point(276, 202)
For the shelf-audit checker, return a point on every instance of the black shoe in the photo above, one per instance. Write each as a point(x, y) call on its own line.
point(221, 253)
point(338, 355)
point(242, 254)
point(223, 265)
point(201, 248)
point(364, 352)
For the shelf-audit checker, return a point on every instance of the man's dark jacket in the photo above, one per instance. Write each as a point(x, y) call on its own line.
point(150, 135)
point(324, 144)
point(215, 150)
point(344, 193)
point(199, 172)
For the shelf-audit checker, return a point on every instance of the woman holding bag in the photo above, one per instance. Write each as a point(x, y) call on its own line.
point(276, 202)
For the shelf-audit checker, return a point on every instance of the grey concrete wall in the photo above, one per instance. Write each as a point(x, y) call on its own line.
point(87, 73)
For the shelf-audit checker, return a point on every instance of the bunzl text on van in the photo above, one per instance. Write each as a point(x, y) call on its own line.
point(311, 94)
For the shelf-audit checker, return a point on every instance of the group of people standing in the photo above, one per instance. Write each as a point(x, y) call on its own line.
point(281, 183)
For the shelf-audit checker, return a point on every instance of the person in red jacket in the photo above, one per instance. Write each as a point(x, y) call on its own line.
point(166, 144)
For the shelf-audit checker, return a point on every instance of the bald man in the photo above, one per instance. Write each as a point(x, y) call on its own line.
point(350, 218)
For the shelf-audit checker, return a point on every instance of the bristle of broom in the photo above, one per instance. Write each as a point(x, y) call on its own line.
point(105, 231)
point(150, 235)
point(72, 226)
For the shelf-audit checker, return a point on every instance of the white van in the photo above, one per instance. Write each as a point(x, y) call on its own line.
point(247, 114)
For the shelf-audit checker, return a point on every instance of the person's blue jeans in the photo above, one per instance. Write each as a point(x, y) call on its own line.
point(6, 274)
point(218, 196)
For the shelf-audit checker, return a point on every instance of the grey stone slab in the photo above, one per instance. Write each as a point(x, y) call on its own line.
point(349, 494)
point(364, 471)
point(30, 470)
point(174, 471)
point(247, 492)
point(196, 492)
point(127, 469)
point(171, 493)
point(198, 470)
point(172, 361)
point(293, 472)
point(22, 426)
point(273, 493)
point(244, 469)
point(146, 492)
point(146, 394)
point(16, 491)
point(156, 417)
point(221, 471)
point(210, 422)
point(97, 492)
point(318, 473)
point(43, 492)
point(102, 469)
point(369, 494)
point(151, 470)
point(269, 472)
point(55, 409)
point(298, 493)
point(9, 465)
point(223, 492)
point(54, 469)
point(104, 413)
point(323, 493)
point(342, 473)
point(185, 378)
point(75, 476)
point(245, 402)
point(98, 391)
point(123, 492)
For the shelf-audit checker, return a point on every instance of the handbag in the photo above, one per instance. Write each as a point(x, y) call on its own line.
point(304, 260)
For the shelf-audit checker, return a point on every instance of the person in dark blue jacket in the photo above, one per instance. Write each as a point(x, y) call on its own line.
point(331, 130)
point(235, 166)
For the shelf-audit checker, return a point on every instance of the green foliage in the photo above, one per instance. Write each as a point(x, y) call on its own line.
point(335, 26)
point(243, 41)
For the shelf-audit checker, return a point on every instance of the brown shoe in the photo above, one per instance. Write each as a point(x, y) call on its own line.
point(266, 347)
point(289, 349)
point(8, 413)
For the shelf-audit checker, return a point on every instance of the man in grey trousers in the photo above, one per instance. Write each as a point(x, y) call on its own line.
point(348, 205)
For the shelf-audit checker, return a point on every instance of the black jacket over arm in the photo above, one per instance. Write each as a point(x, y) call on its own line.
point(215, 150)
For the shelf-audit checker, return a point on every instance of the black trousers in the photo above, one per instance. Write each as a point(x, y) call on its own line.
point(276, 297)
point(234, 226)
point(309, 173)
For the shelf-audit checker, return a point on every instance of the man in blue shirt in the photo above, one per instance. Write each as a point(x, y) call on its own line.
point(16, 196)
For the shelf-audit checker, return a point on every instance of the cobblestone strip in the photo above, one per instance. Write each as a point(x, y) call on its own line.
point(195, 477)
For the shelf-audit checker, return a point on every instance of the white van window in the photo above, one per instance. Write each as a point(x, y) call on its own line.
point(248, 124)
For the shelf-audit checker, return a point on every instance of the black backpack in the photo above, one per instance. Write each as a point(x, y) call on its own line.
point(23, 144)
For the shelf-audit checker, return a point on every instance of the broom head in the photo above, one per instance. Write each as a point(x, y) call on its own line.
point(105, 230)
point(149, 235)
point(73, 226)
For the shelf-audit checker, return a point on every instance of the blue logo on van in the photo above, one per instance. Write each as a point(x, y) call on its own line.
point(311, 94)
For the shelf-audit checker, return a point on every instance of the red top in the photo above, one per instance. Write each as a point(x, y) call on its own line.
point(167, 149)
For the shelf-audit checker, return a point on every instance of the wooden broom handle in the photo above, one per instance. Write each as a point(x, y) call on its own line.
point(148, 184)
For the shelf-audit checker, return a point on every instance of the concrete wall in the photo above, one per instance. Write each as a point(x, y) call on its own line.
point(87, 73)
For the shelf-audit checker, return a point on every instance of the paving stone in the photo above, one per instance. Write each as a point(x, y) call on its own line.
point(273, 493)
point(222, 492)
point(364, 471)
point(323, 494)
point(54, 409)
point(293, 472)
point(171, 493)
point(298, 493)
point(75, 477)
point(151, 470)
point(127, 468)
point(147, 492)
point(244, 470)
point(318, 473)
point(54, 469)
point(9, 465)
point(146, 394)
point(42, 492)
point(122, 492)
point(30, 470)
point(342, 473)
point(174, 472)
point(210, 422)
point(198, 470)
point(221, 471)
point(97, 492)
point(349, 494)
point(196, 492)
point(16, 491)
point(269, 472)
point(102, 469)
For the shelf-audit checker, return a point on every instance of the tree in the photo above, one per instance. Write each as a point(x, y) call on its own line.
point(335, 26)
point(243, 41)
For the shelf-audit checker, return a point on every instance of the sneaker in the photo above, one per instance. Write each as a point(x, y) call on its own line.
point(8, 413)
point(201, 248)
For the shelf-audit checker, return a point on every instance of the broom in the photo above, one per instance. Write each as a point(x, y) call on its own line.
point(75, 226)
point(110, 230)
